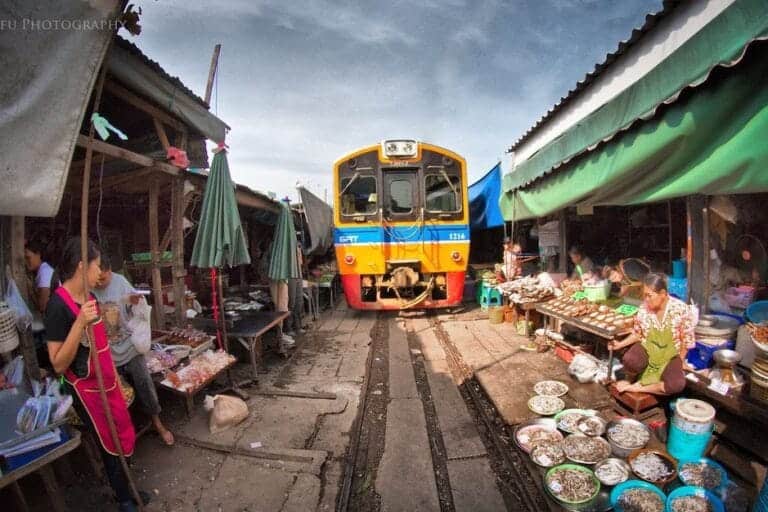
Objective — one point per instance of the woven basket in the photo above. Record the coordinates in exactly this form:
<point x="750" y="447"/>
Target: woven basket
<point x="9" y="336"/>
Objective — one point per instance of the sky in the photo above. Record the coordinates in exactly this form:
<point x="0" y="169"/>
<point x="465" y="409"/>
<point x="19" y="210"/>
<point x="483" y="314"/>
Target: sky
<point x="303" y="82"/>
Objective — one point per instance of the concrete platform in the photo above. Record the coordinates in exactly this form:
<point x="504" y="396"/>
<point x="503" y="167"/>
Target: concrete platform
<point x="508" y="374"/>
<point x="473" y="485"/>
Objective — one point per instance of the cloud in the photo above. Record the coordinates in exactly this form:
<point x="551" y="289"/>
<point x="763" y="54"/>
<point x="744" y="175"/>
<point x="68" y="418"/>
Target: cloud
<point x="303" y="82"/>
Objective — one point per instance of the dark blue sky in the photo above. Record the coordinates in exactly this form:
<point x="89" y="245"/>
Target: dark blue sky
<point x="303" y="82"/>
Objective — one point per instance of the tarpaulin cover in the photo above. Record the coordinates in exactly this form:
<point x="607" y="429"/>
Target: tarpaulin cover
<point x="220" y="240"/>
<point x="484" y="210"/>
<point x="133" y="72"/>
<point x="283" y="262"/>
<point x="712" y="141"/>
<point x="721" y="41"/>
<point x="319" y="218"/>
<point x="45" y="85"/>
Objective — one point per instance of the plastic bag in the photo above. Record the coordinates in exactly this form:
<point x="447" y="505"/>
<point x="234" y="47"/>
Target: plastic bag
<point x="16" y="302"/>
<point x="226" y="411"/>
<point x="141" y="331"/>
<point x="583" y="368"/>
<point x="14" y="372"/>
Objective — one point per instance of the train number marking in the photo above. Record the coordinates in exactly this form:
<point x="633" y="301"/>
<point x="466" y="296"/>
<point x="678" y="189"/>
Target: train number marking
<point x="457" y="236"/>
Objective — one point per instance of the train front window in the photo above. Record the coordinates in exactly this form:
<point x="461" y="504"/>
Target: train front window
<point x="401" y="194"/>
<point x="442" y="193"/>
<point x="358" y="195"/>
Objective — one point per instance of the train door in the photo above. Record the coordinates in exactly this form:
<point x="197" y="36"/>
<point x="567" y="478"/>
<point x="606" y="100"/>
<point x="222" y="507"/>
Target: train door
<point x="401" y="204"/>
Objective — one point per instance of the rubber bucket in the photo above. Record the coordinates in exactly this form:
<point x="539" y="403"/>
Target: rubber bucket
<point x="679" y="270"/>
<point x="690" y="429"/>
<point x="496" y="315"/>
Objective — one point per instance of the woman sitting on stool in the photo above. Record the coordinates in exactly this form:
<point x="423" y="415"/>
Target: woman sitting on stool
<point x="663" y="334"/>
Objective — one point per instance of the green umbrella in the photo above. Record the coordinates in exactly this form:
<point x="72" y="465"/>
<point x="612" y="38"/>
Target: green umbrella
<point x="283" y="263"/>
<point x="220" y="240"/>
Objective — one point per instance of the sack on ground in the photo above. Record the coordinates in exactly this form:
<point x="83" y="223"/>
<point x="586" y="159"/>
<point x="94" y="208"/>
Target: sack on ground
<point x="141" y="330"/>
<point x="226" y="411"/>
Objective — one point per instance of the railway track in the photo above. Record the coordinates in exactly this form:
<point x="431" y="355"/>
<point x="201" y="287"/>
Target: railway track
<point x="520" y="490"/>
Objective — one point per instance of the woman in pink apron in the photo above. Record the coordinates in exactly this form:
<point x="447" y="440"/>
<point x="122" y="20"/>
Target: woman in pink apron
<point x="68" y="314"/>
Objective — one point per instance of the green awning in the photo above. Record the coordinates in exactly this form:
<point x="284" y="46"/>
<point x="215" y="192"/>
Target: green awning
<point x="220" y="240"/>
<point x="283" y="263"/>
<point x="711" y="141"/>
<point x="720" y="42"/>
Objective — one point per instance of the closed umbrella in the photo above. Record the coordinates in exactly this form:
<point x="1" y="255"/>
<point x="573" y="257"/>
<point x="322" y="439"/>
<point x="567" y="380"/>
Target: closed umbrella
<point x="283" y="263"/>
<point x="220" y="240"/>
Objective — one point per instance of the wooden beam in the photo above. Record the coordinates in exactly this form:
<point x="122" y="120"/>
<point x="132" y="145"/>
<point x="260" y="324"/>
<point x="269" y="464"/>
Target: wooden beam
<point x="125" y="154"/>
<point x="157" y="284"/>
<point x="143" y="105"/>
<point x="160" y="129"/>
<point x="563" y="223"/>
<point x="212" y="73"/>
<point x="177" y="231"/>
<point x="19" y="271"/>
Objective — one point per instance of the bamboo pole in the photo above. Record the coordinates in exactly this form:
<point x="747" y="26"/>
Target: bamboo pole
<point x="84" y="259"/>
<point x="212" y="73"/>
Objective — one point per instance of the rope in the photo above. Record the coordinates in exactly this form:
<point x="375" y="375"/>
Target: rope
<point x="101" y="198"/>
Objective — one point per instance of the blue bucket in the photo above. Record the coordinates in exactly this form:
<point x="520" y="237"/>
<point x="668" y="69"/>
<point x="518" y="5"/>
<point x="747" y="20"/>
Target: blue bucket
<point x="679" y="269"/>
<point x="688" y="436"/>
<point x="689" y="490"/>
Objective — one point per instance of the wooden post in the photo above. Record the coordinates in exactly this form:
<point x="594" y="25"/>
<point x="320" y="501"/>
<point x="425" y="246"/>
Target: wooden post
<point x="19" y="271"/>
<point x="696" y="270"/>
<point x="177" y="247"/>
<point x="212" y="74"/>
<point x="707" y="259"/>
<point x="563" y="215"/>
<point x="154" y="242"/>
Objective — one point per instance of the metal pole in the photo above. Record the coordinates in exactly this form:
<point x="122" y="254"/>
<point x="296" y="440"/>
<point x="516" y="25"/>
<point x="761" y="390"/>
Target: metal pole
<point x="84" y="258"/>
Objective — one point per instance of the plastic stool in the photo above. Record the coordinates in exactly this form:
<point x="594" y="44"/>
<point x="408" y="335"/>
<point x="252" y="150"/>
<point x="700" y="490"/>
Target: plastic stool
<point x="489" y="296"/>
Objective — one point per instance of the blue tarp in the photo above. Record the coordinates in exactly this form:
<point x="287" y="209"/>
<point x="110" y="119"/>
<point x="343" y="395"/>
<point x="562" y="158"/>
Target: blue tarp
<point x="484" y="211"/>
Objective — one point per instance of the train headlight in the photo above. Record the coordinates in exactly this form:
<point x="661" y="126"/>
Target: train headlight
<point x="349" y="259"/>
<point x="399" y="148"/>
<point x="456" y="256"/>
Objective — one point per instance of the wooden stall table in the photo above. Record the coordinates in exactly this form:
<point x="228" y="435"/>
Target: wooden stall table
<point x="526" y="308"/>
<point x="249" y="330"/>
<point x="43" y="465"/>
<point x="189" y="394"/>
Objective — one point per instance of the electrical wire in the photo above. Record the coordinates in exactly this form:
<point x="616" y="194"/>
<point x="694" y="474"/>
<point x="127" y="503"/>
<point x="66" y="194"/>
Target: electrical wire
<point x="101" y="198"/>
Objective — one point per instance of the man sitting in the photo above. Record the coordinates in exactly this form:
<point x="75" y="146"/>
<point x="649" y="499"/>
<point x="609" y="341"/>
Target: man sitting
<point x="130" y="364"/>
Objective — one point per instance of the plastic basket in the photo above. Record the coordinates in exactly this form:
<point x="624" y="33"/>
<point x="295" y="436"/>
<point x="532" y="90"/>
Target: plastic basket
<point x="757" y="312"/>
<point x="597" y="293"/>
<point x="689" y="490"/>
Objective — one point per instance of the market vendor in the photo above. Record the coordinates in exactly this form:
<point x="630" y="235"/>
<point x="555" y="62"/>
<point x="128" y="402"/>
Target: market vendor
<point x="663" y="334"/>
<point x="583" y="266"/>
<point x="115" y="288"/>
<point x="69" y="318"/>
<point x="512" y="265"/>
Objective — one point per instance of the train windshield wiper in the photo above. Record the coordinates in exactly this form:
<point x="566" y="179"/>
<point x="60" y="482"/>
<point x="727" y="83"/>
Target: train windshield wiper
<point x="450" y="184"/>
<point x="354" y="178"/>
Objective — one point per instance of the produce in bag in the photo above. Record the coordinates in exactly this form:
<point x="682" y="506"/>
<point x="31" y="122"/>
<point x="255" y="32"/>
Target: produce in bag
<point x="226" y="411"/>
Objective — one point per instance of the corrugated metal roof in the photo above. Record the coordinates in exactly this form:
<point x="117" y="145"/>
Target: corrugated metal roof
<point x="650" y="21"/>
<point x="156" y="67"/>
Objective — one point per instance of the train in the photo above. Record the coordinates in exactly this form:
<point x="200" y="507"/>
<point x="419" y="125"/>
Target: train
<point x="401" y="226"/>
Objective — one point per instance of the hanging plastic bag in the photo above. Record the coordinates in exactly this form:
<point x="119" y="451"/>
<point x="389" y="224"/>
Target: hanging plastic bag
<point x="16" y="302"/>
<point x="14" y="372"/>
<point x="139" y="325"/>
<point x="226" y="411"/>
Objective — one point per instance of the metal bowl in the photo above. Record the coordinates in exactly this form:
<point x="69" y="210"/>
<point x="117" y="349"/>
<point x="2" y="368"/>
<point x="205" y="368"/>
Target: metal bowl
<point x="727" y="357"/>
<point x="624" y="451"/>
<point x="549" y="423"/>
<point x="613" y="461"/>
<point x="600" y="430"/>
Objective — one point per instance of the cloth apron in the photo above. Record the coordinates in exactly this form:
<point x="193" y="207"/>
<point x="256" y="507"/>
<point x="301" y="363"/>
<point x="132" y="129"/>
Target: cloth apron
<point x="87" y="389"/>
<point x="660" y="346"/>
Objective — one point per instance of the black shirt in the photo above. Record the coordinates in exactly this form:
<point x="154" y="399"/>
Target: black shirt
<point x="58" y="321"/>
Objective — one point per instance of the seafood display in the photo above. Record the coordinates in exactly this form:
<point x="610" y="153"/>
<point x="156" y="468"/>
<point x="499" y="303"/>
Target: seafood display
<point x="200" y="369"/>
<point x="550" y="388"/>
<point x="569" y="307"/>
<point x="612" y="471"/>
<point x="594" y="315"/>
<point x="691" y="504"/>
<point x="528" y="437"/>
<point x="572" y="484"/>
<point x="641" y="500"/>
<point x="652" y="467"/>
<point x="568" y="420"/>
<point x="187" y="336"/>
<point x="547" y="454"/>
<point x="545" y="405"/>
<point x="593" y="426"/>
<point x="526" y="289"/>
<point x="571" y="286"/>
<point x="759" y="332"/>
<point x="629" y="435"/>
<point x="701" y="474"/>
<point x="585" y="449"/>
<point x="159" y="360"/>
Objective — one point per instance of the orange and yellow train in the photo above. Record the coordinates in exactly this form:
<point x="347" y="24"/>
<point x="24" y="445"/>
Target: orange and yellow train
<point x="401" y="225"/>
